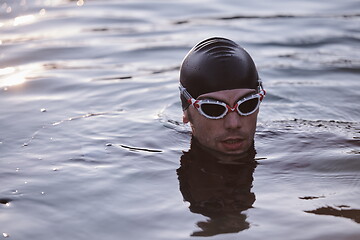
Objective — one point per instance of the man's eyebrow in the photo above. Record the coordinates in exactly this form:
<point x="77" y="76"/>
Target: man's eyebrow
<point x="211" y="98"/>
<point x="217" y="99"/>
<point x="246" y="95"/>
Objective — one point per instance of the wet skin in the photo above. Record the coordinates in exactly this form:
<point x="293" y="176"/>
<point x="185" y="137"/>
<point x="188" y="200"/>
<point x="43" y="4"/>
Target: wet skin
<point x="230" y="137"/>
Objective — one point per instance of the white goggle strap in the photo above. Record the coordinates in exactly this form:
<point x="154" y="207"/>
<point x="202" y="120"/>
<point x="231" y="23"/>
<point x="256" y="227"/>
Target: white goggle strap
<point x="186" y="94"/>
<point x="261" y="90"/>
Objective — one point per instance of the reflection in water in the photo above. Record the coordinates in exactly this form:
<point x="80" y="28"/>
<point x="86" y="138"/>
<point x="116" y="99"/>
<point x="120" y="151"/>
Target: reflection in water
<point x="9" y="76"/>
<point x="217" y="190"/>
<point x="353" y="214"/>
<point x="22" y="20"/>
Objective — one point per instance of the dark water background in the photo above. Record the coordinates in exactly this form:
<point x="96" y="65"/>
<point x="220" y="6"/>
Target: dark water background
<point x="90" y="120"/>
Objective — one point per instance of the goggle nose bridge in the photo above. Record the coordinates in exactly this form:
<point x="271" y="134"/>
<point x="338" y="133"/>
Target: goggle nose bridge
<point x="232" y="109"/>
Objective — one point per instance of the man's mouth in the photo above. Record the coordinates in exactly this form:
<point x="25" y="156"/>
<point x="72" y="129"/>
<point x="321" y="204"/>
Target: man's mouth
<point x="232" y="141"/>
<point x="232" y="144"/>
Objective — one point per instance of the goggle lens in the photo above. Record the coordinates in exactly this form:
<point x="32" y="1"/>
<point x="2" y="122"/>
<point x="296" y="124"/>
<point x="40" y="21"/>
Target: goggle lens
<point x="213" y="109"/>
<point x="248" y="106"/>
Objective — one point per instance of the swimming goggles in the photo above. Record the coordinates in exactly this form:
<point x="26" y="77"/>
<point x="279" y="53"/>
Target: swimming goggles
<point x="214" y="109"/>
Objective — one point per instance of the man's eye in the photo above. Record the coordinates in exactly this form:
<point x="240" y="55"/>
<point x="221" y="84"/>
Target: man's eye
<point x="213" y="110"/>
<point x="249" y="105"/>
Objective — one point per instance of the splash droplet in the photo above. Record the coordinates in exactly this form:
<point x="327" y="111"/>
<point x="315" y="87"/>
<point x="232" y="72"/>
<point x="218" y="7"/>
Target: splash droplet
<point x="42" y="12"/>
<point x="80" y="3"/>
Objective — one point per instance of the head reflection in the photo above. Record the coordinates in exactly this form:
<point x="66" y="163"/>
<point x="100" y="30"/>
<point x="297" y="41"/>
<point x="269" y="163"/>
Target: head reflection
<point x="219" y="191"/>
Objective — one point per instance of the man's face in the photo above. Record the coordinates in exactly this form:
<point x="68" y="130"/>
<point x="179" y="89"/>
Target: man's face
<point x="227" y="138"/>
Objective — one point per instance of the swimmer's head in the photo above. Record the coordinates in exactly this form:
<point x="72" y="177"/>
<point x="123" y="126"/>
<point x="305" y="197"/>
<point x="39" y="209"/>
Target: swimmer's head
<point x="217" y="64"/>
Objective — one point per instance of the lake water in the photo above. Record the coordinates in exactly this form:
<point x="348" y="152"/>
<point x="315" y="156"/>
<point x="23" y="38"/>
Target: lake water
<point x="91" y="132"/>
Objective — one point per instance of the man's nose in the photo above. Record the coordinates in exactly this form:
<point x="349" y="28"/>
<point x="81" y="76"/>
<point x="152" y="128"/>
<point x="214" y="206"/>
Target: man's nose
<point x="232" y="120"/>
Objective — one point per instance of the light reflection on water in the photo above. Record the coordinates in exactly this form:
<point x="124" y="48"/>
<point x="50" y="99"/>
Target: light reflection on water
<point x="91" y="130"/>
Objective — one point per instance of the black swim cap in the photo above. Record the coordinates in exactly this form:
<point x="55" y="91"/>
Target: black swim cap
<point x="217" y="64"/>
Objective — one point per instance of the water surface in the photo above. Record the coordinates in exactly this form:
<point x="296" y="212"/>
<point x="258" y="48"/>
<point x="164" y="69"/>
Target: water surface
<point x="91" y="134"/>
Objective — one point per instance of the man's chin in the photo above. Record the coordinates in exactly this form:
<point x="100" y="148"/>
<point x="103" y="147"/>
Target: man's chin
<point x="226" y="155"/>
